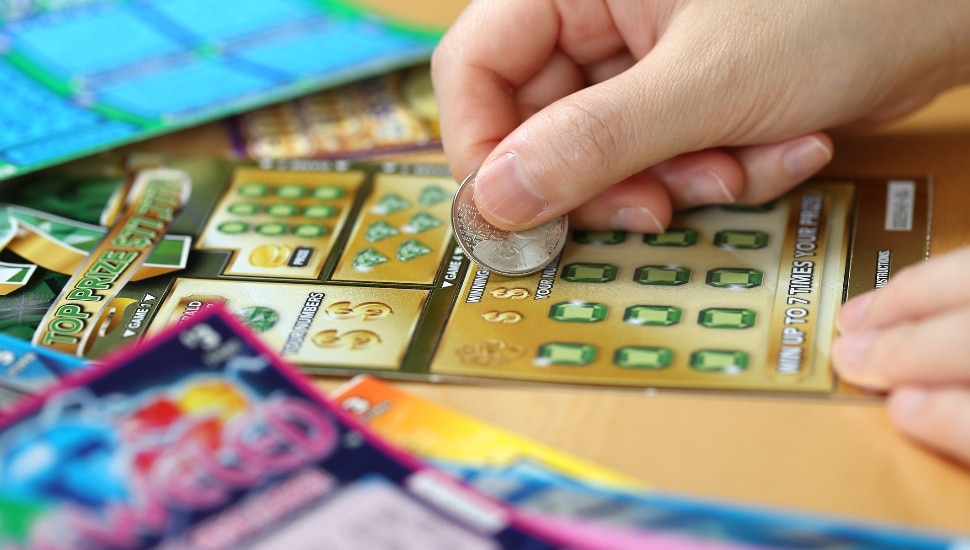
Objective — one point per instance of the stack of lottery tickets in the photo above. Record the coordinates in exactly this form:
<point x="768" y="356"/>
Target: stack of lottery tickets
<point x="200" y="438"/>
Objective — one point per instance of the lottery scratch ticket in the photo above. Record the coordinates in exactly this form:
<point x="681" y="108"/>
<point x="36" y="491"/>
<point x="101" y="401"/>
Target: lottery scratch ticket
<point x="348" y="267"/>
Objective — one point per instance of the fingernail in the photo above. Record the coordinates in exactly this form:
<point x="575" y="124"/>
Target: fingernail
<point x="502" y="191"/>
<point x="636" y="219"/>
<point x="848" y="355"/>
<point x="708" y="188"/>
<point x="853" y="312"/>
<point x="807" y="157"/>
<point x="905" y="402"/>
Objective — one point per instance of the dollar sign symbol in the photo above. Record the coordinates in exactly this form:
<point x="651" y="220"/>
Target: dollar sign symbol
<point x="503" y="293"/>
<point x="366" y="310"/>
<point x="355" y="339"/>
<point x="507" y="317"/>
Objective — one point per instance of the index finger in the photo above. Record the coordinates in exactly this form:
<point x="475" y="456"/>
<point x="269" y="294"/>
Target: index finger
<point x="495" y="49"/>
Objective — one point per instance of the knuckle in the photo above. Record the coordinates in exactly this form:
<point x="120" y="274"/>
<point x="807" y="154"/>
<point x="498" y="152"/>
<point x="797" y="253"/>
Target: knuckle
<point x="585" y="141"/>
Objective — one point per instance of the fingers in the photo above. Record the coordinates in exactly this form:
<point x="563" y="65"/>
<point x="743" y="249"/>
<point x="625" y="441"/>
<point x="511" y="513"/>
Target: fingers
<point x="772" y="169"/>
<point x="586" y="101"/>
<point x="938" y="417"/>
<point x="913" y="330"/>
<point x="910" y="338"/>
<point x="914" y="293"/>
<point x="501" y="58"/>
<point x="933" y="350"/>
<point x="572" y="150"/>
<point x="553" y="102"/>
<point x="557" y="78"/>
<point x="640" y="203"/>
<point x="751" y="175"/>
<point x="711" y="176"/>
<point x="748" y="175"/>
<point x="475" y="78"/>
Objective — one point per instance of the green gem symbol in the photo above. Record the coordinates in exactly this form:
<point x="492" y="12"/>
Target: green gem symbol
<point x="741" y="240"/>
<point x="272" y="229"/>
<point x="253" y="190"/>
<point x="290" y="191"/>
<point x="421" y="221"/>
<point x="599" y="237"/>
<point x="390" y="204"/>
<point x="638" y="357"/>
<point x="716" y="360"/>
<point x="656" y="316"/>
<point x="578" y="312"/>
<point x="379" y="230"/>
<point x="281" y="210"/>
<point x="661" y="275"/>
<point x="259" y="318"/>
<point x="328" y="192"/>
<point x="233" y="228"/>
<point x="411" y="249"/>
<point x="319" y="211"/>
<point x="675" y="236"/>
<point x="310" y="230"/>
<point x="432" y="195"/>
<point x="730" y="277"/>
<point x="722" y="317"/>
<point x="367" y="259"/>
<point x="589" y="273"/>
<point x="568" y="354"/>
<point x="243" y="208"/>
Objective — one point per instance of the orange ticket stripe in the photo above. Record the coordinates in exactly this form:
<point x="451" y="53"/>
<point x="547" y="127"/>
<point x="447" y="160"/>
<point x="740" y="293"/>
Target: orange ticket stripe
<point x="156" y="198"/>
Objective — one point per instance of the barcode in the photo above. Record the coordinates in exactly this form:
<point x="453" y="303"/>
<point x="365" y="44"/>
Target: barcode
<point x="900" y="201"/>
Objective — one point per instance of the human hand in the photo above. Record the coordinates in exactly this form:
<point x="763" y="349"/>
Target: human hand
<point x="911" y="338"/>
<point x="622" y="111"/>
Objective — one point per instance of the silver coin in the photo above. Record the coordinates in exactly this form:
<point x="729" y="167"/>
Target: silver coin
<point x="514" y="253"/>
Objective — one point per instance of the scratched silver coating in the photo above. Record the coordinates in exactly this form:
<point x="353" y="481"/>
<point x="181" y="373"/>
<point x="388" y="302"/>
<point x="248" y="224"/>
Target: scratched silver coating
<point x="513" y="253"/>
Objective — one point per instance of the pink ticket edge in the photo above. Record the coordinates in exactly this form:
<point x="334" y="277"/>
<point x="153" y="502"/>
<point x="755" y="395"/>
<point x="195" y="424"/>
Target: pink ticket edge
<point x="585" y="534"/>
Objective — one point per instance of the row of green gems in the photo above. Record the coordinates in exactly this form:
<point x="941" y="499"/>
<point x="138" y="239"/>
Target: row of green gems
<point x="663" y="275"/>
<point x="642" y="357"/>
<point x="732" y="239"/>
<point x="652" y="315"/>
<point x="255" y="190"/>
<point x="428" y="197"/>
<point x="283" y="210"/>
<point x="274" y="229"/>
<point x="418" y="223"/>
<point x="369" y="258"/>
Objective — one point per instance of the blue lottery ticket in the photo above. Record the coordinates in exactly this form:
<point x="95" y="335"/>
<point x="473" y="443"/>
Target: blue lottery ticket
<point x="27" y="369"/>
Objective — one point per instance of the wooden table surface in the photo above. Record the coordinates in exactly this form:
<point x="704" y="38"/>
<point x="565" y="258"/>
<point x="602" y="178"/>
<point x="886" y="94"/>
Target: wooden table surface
<point x="829" y="455"/>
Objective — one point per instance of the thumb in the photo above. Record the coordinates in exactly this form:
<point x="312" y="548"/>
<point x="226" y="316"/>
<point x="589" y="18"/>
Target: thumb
<point x="577" y="147"/>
